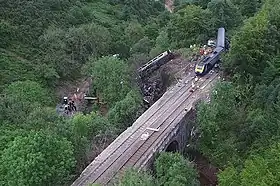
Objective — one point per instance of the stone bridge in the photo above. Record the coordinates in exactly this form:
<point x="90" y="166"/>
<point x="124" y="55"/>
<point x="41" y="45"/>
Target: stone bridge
<point x="164" y="126"/>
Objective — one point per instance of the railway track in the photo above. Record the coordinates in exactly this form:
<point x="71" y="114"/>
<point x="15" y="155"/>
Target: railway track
<point x="182" y="113"/>
<point x="130" y="132"/>
<point x="144" y="146"/>
<point x="128" y="149"/>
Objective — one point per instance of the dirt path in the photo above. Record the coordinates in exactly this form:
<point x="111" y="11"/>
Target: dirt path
<point x="75" y="91"/>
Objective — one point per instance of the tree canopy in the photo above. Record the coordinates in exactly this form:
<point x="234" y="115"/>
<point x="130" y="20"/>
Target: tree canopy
<point x="135" y="178"/>
<point x="190" y="25"/>
<point x="44" y="44"/>
<point x="173" y="169"/>
<point x="242" y="118"/>
<point x="40" y="158"/>
<point x="111" y="78"/>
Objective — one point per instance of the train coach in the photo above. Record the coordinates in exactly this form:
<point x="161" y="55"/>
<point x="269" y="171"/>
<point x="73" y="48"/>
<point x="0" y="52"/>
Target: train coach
<point x="155" y="63"/>
<point x="209" y="61"/>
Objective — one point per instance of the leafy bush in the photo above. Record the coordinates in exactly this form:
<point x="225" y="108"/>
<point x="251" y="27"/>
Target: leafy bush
<point x="125" y="111"/>
<point x="134" y="178"/>
<point x="190" y="25"/>
<point x="111" y="78"/>
<point x="173" y="169"/>
<point x="40" y="158"/>
<point x="21" y="98"/>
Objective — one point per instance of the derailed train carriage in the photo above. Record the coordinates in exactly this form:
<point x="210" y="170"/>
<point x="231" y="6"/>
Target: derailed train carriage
<point x="152" y="85"/>
<point x="209" y="61"/>
<point x="155" y="63"/>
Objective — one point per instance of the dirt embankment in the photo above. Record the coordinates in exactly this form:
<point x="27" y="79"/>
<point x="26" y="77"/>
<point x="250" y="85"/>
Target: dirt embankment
<point x="207" y="172"/>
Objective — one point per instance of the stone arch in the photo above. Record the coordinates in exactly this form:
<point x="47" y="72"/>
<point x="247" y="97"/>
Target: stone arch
<point x="173" y="146"/>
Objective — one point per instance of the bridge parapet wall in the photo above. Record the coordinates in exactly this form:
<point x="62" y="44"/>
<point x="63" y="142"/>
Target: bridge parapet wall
<point x="179" y="133"/>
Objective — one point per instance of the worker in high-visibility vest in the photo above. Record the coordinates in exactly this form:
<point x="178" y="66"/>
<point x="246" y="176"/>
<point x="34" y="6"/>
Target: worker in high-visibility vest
<point x="201" y="51"/>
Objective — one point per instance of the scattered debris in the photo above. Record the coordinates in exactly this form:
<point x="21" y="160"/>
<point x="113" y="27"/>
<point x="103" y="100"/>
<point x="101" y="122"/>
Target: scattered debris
<point x="193" y="85"/>
<point x="145" y="136"/>
<point x="153" y="129"/>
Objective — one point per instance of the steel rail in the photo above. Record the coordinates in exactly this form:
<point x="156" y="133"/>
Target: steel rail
<point x="182" y="98"/>
<point x="137" y="153"/>
<point x="122" y="139"/>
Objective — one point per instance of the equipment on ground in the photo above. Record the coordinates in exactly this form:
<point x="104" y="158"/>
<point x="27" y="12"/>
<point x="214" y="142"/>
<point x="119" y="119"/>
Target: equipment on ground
<point x="65" y="100"/>
<point x="208" y="62"/>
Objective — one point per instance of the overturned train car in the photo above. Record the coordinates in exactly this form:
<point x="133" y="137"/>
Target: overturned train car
<point x="155" y="63"/>
<point x="209" y="61"/>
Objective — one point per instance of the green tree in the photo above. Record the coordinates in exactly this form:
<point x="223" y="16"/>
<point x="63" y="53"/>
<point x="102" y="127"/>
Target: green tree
<point x="260" y="168"/>
<point x="229" y="176"/>
<point x="152" y="28"/>
<point x="224" y="14"/>
<point x="120" y="43"/>
<point x="7" y="33"/>
<point x="173" y="169"/>
<point x="8" y="134"/>
<point x="260" y="39"/>
<point x="141" y="11"/>
<point x="125" y="111"/>
<point x="99" y="12"/>
<point x="144" y="45"/>
<point x="22" y="97"/>
<point x="134" y="178"/>
<point x="202" y="3"/>
<point x="248" y="7"/>
<point x="133" y="33"/>
<point x="32" y="17"/>
<point x="263" y="120"/>
<point x="190" y="25"/>
<point x="248" y="63"/>
<point x="29" y="91"/>
<point x="219" y="123"/>
<point x="162" y="43"/>
<point x="41" y="158"/>
<point x="82" y="131"/>
<point x="111" y="78"/>
<point x="14" y="68"/>
<point x="43" y="117"/>
<point x="67" y="51"/>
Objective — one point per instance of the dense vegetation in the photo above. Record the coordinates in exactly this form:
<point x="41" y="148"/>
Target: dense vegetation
<point x="240" y="126"/>
<point x="243" y="117"/>
<point x="171" y="169"/>
<point x="43" y="43"/>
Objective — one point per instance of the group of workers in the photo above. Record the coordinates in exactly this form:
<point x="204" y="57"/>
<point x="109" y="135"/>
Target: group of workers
<point x="204" y="50"/>
<point x="69" y="106"/>
<point x="207" y="49"/>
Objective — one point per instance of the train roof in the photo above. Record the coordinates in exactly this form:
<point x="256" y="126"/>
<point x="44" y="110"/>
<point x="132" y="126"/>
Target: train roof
<point x="221" y="38"/>
<point x="154" y="59"/>
<point x="218" y="50"/>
